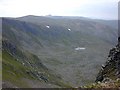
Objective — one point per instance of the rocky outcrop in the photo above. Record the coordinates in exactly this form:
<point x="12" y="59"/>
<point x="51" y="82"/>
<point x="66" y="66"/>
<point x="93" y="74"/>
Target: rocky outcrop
<point x="111" y="69"/>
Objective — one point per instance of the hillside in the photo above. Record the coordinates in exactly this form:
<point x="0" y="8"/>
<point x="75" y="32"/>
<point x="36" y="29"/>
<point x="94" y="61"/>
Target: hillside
<point x="21" y="67"/>
<point x="106" y="30"/>
<point x="70" y="49"/>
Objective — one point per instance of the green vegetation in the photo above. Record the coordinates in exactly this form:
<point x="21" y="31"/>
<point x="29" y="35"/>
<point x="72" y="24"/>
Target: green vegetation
<point x="13" y="71"/>
<point x="24" y="65"/>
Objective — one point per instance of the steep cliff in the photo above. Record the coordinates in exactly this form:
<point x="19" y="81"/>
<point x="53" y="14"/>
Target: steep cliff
<point x="109" y="74"/>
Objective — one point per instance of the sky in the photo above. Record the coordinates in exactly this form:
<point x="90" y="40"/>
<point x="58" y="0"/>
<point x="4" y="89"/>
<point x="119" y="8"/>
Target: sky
<point x="100" y="9"/>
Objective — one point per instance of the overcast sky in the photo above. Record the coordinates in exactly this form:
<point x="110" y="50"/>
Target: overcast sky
<point x="101" y="9"/>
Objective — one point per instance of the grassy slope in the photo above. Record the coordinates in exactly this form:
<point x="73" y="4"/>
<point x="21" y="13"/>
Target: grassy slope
<point x="14" y="71"/>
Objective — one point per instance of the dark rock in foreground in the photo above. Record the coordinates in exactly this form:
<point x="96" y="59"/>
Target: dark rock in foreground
<point x="111" y="69"/>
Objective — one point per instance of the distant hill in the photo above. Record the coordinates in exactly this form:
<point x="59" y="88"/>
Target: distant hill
<point x="102" y="28"/>
<point x="111" y="23"/>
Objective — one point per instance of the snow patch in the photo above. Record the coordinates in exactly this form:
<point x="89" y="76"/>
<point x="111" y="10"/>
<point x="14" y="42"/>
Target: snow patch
<point x="69" y="29"/>
<point x="47" y="26"/>
<point x="80" y="48"/>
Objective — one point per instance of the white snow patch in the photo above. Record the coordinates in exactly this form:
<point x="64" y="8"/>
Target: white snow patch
<point x="69" y="29"/>
<point x="47" y="26"/>
<point x="80" y="48"/>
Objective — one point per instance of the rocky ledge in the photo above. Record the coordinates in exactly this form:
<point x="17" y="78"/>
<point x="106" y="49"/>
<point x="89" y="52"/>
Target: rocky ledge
<point x="110" y="72"/>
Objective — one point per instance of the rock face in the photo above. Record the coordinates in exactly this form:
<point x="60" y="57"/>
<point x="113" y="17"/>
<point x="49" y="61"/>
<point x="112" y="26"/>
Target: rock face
<point x="111" y="69"/>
